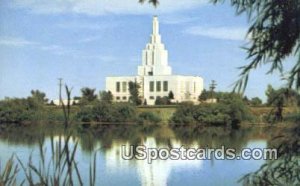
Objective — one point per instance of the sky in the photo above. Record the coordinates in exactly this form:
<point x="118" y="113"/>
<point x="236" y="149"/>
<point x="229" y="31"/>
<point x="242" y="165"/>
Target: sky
<point x="83" y="41"/>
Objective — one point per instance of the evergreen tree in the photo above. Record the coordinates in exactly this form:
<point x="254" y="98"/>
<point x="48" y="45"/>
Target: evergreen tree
<point x="106" y="96"/>
<point x="134" y="93"/>
<point x="171" y="95"/>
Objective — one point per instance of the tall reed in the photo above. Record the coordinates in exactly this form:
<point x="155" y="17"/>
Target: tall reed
<point x="9" y="174"/>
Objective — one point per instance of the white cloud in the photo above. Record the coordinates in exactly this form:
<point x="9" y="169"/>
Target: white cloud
<point x="89" y="39"/>
<point x="103" y="57"/>
<point x="51" y="48"/>
<point x="15" y="42"/>
<point x="103" y="7"/>
<point x="86" y="26"/>
<point x="106" y="58"/>
<point x="58" y="50"/>
<point x="177" y="19"/>
<point x="226" y="33"/>
<point x="98" y="27"/>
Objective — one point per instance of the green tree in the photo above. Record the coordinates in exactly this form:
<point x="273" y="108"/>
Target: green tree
<point x="102" y="112"/>
<point x="204" y="95"/>
<point x="256" y="101"/>
<point x="162" y="100"/>
<point x="18" y="110"/>
<point x="77" y="98"/>
<point x="134" y="93"/>
<point x="280" y="98"/>
<point x="229" y="110"/>
<point x="52" y="103"/>
<point x="184" y="114"/>
<point x="37" y="100"/>
<point x="274" y="35"/>
<point x="246" y="100"/>
<point x="171" y="95"/>
<point x="106" y="96"/>
<point x="289" y="97"/>
<point x="87" y="95"/>
<point x="270" y="92"/>
<point x="39" y="96"/>
<point x="237" y="109"/>
<point x="124" y="112"/>
<point x="15" y="110"/>
<point x="105" y="112"/>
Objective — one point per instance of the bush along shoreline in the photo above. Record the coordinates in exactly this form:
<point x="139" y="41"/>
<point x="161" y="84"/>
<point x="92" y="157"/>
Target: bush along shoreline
<point x="23" y="111"/>
<point x="229" y="111"/>
<point x="102" y="112"/>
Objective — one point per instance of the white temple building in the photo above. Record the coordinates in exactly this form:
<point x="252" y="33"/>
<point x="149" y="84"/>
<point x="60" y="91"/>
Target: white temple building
<point x="155" y="76"/>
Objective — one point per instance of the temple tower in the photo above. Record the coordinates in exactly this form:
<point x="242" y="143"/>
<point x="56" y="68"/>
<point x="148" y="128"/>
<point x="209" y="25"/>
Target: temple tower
<point x="154" y="56"/>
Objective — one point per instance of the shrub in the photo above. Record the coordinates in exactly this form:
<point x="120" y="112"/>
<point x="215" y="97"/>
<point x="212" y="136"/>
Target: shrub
<point x="184" y="114"/>
<point x="238" y="110"/>
<point x="148" y="118"/>
<point x="230" y="110"/>
<point x="293" y="117"/>
<point x="105" y="112"/>
<point x="123" y="112"/>
<point x="106" y="96"/>
<point x="214" y="114"/>
<point x="19" y="110"/>
<point x="102" y="112"/>
<point x="162" y="101"/>
<point x="85" y="114"/>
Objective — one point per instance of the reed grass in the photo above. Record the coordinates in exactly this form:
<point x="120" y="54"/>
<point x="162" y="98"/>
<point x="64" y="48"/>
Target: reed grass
<point x="9" y="173"/>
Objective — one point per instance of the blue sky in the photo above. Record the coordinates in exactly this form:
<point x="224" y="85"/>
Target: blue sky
<point x="83" y="41"/>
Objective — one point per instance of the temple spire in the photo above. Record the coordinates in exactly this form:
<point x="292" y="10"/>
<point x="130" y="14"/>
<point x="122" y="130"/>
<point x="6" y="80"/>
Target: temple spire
<point x="155" y="26"/>
<point x="154" y="56"/>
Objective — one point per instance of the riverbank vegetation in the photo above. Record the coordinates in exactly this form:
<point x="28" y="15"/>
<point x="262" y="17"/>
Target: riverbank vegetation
<point x="230" y="109"/>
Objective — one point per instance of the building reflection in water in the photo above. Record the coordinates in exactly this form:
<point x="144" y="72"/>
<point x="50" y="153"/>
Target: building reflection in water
<point x="153" y="174"/>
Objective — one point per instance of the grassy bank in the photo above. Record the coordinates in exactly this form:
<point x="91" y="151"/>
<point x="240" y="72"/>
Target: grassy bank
<point x="164" y="112"/>
<point x="16" y="112"/>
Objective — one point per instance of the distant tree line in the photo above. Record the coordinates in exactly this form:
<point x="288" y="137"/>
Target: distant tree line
<point x="102" y="108"/>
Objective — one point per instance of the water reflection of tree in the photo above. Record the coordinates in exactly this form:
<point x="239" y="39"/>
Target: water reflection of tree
<point x="92" y="137"/>
<point x="31" y="134"/>
<point x="107" y="134"/>
<point x="216" y="137"/>
<point x="20" y="135"/>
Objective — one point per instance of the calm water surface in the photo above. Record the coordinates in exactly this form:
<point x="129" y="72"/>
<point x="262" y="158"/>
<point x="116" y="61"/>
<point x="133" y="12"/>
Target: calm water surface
<point x="113" y="170"/>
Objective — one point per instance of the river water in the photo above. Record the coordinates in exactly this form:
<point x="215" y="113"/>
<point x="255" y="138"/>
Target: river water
<point x="112" y="169"/>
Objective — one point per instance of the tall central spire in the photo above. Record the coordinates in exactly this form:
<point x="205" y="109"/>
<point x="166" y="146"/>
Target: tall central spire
<point x="154" y="56"/>
<point x="155" y="26"/>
